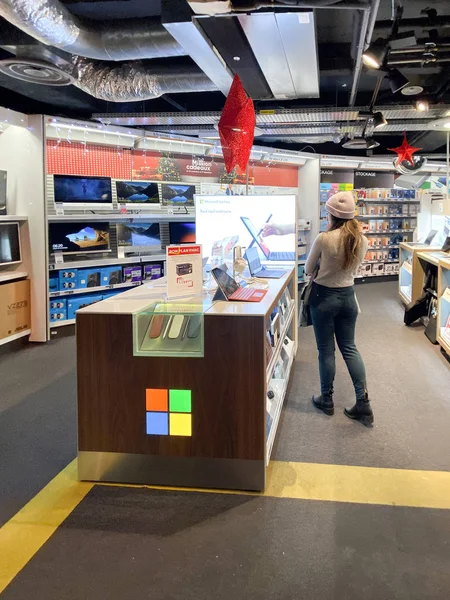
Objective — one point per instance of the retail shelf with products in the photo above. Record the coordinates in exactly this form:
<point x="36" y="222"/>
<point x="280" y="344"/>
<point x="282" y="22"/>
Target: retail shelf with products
<point x="411" y="270"/>
<point x="122" y="217"/>
<point x="12" y="275"/>
<point x="381" y="232"/>
<point x="277" y="350"/>
<point x="384" y="217"/>
<point x="99" y="262"/>
<point x="388" y="201"/>
<point x="92" y="290"/>
<point x="198" y="419"/>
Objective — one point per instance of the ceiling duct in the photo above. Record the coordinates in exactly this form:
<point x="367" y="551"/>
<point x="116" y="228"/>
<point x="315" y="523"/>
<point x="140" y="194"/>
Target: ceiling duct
<point x="50" y="22"/>
<point x="35" y="71"/>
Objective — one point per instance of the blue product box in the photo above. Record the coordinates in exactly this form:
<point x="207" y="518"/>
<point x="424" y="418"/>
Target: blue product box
<point x="132" y="274"/>
<point x="57" y="304"/>
<point x="111" y="275"/>
<point x="67" y="279"/>
<point x="153" y="271"/>
<point x="89" y="278"/>
<point x="301" y="272"/>
<point x="53" y="282"/>
<point x="58" y="315"/>
<point x="77" y="302"/>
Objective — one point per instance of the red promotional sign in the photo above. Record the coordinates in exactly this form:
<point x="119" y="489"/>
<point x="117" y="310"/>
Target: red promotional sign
<point x="183" y="250"/>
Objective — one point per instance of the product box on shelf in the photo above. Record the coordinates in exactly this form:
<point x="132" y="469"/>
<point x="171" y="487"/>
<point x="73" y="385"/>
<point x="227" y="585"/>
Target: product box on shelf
<point x="53" y="282"/>
<point x="111" y="275"/>
<point x="14" y="307"/>
<point x="378" y="269"/>
<point x="132" y="274"/>
<point x="153" y="271"/>
<point x="68" y="279"/>
<point x="89" y="278"/>
<point x="389" y="268"/>
<point x="57" y="304"/>
<point x="76" y="302"/>
<point x="58" y="315"/>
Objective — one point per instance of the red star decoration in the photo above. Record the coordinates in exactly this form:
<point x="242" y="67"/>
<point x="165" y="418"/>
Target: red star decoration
<point x="237" y="127"/>
<point x="405" y="152"/>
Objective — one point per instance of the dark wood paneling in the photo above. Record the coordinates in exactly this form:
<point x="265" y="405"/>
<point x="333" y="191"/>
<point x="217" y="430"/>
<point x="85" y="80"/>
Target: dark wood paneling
<point x="228" y="389"/>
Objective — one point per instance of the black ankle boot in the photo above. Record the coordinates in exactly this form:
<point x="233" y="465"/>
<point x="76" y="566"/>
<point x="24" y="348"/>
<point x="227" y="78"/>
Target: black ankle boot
<point x="361" y="411"/>
<point x="325" y="403"/>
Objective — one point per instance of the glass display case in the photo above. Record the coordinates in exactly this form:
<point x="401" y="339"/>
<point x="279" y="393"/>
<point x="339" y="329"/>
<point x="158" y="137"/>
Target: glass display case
<point x="169" y="329"/>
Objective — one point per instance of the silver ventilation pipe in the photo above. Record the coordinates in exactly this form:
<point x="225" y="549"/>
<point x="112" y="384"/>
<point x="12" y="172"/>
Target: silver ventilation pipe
<point x="51" y="23"/>
<point x="134" y="81"/>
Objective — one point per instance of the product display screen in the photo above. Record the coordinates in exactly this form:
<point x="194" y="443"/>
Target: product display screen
<point x="266" y="223"/>
<point x="138" y="234"/>
<point x="137" y="192"/>
<point x="9" y="243"/>
<point x="78" y="237"/>
<point x="226" y="283"/>
<point x="77" y="189"/>
<point x="182" y="233"/>
<point x="177" y="193"/>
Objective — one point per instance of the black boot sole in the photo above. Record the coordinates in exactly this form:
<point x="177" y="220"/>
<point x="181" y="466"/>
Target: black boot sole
<point x="366" y="420"/>
<point x="326" y="410"/>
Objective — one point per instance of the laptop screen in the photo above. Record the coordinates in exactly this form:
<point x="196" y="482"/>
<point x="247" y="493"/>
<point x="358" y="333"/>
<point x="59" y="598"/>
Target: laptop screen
<point x="226" y="283"/>
<point x="254" y="264"/>
<point x="430" y="237"/>
<point x="256" y="236"/>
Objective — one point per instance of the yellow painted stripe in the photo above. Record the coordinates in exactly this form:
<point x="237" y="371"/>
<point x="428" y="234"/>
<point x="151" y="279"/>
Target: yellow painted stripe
<point x="23" y="535"/>
<point x="363" y="485"/>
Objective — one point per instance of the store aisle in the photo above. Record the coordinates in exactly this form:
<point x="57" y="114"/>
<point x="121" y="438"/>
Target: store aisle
<point x="408" y="382"/>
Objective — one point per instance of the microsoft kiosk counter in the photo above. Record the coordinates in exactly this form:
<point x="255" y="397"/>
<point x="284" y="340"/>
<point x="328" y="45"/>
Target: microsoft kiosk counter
<point x="186" y="392"/>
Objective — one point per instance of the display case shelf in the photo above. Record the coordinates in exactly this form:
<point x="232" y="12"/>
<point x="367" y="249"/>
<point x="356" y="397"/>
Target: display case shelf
<point x="388" y="231"/>
<point x="16" y="336"/>
<point x="93" y="289"/>
<point x="62" y="323"/>
<point x="12" y="275"/>
<point x="383" y="217"/>
<point x="277" y="349"/>
<point x="387" y="201"/>
<point x="122" y="217"/>
<point x="96" y="262"/>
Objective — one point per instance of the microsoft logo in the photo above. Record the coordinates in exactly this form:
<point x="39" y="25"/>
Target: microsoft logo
<point x="169" y="412"/>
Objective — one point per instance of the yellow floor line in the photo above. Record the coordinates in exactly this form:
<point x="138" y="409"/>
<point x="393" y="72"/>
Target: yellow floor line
<point x="31" y="527"/>
<point x="23" y="535"/>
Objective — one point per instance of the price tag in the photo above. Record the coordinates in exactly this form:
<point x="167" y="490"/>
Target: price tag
<point x="59" y="208"/>
<point x="123" y="210"/>
<point x="59" y="258"/>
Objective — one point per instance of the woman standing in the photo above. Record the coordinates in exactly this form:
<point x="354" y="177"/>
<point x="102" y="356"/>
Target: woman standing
<point x="338" y="253"/>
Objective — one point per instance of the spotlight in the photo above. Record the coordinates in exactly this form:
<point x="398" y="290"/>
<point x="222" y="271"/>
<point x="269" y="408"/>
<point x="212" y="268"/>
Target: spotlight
<point x="379" y="120"/>
<point x="422" y="105"/>
<point x="397" y="80"/>
<point x="375" y="54"/>
<point x="371" y="143"/>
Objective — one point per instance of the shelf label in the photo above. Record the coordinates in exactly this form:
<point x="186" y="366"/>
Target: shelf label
<point x="59" y="258"/>
<point x="59" y="208"/>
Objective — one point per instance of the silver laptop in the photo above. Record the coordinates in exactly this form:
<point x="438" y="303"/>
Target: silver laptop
<point x="257" y="270"/>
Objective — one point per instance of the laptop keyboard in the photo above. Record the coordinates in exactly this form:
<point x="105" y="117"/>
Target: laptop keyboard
<point x="282" y="256"/>
<point x="243" y="293"/>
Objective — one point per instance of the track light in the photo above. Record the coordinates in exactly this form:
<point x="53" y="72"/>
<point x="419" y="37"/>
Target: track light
<point x="375" y="54"/>
<point x="397" y="80"/>
<point x="379" y="120"/>
<point x="422" y="105"/>
<point x="371" y="143"/>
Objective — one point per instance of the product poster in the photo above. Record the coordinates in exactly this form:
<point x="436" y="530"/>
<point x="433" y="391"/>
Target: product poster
<point x="264" y="222"/>
<point x="184" y="270"/>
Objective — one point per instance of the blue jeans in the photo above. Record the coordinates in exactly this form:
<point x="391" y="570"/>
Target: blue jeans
<point x="334" y="312"/>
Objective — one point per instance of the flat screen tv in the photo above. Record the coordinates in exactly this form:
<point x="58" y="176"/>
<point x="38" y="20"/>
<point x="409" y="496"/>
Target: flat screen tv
<point x="182" y="233"/>
<point x="137" y="192"/>
<point x="140" y="235"/>
<point x="3" y="193"/>
<point x="80" y="191"/>
<point x="178" y="194"/>
<point x="9" y="244"/>
<point x="76" y="238"/>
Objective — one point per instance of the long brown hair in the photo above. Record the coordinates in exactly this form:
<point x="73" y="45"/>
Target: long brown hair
<point x="351" y="239"/>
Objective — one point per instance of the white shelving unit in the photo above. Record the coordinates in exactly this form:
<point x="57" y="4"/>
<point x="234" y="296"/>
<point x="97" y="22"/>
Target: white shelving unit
<point x="104" y="262"/>
<point x="12" y="276"/>
<point x="16" y="336"/>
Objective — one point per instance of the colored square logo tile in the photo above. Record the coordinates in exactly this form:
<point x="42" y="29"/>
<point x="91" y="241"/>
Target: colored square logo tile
<point x="157" y="423"/>
<point x="157" y="400"/>
<point x="180" y="424"/>
<point x="180" y="401"/>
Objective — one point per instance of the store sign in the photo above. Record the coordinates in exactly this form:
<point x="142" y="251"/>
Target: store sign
<point x="184" y="270"/>
<point x="336" y="176"/>
<point x="373" y="179"/>
<point x="168" y="412"/>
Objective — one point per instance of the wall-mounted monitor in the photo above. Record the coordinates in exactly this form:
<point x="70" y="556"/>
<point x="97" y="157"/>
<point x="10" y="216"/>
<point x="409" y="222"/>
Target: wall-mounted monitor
<point x="139" y="235"/>
<point x="137" y="192"/>
<point x="178" y="194"/>
<point x="10" y="253"/>
<point x="75" y="191"/>
<point x="76" y="238"/>
<point x="3" y="210"/>
<point x="182" y="233"/>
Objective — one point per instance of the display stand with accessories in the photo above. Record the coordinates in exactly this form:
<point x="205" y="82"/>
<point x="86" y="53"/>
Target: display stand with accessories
<point x="193" y="391"/>
<point x="443" y="293"/>
<point x="410" y="284"/>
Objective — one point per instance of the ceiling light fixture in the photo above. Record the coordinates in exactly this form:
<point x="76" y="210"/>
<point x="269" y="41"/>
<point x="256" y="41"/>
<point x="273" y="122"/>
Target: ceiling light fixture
<point x="422" y="105"/>
<point x="375" y="54"/>
<point x="397" y="80"/>
<point x="412" y="90"/>
<point x="379" y="120"/>
<point x="440" y="124"/>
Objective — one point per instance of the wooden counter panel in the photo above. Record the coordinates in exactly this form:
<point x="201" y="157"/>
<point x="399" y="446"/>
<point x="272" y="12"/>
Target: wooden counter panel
<point x="228" y="404"/>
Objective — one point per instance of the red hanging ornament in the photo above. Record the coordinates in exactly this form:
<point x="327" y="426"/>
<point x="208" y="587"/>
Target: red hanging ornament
<point x="237" y="127"/>
<point x="405" y="152"/>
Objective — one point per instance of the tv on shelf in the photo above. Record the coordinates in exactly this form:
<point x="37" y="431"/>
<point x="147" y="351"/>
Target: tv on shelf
<point x="10" y="252"/>
<point x="178" y="194"/>
<point x="76" y="238"/>
<point x="137" y="192"/>
<point x="141" y="235"/>
<point x="80" y="191"/>
<point x="182" y="233"/>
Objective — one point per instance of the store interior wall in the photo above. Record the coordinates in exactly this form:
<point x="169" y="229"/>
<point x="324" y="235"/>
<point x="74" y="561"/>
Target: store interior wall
<point x="309" y="194"/>
<point x="22" y="157"/>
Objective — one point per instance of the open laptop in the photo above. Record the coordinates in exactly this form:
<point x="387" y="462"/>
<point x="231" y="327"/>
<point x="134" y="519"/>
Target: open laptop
<point x="431" y="235"/>
<point x="257" y="270"/>
<point x="280" y="256"/>
<point x="231" y="290"/>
